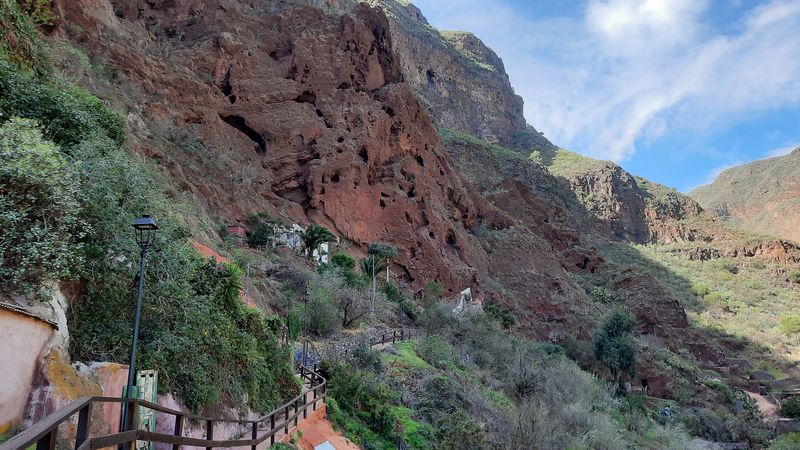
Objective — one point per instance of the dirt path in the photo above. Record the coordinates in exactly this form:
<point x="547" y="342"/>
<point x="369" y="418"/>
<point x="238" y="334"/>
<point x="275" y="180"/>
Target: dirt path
<point x="768" y="409"/>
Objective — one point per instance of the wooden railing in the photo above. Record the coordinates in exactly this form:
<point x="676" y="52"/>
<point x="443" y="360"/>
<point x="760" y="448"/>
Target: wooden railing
<point x="44" y="432"/>
<point x="342" y="349"/>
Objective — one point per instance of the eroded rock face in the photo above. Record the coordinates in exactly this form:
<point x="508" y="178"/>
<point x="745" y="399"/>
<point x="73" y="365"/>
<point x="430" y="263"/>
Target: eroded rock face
<point x="306" y="114"/>
<point x="461" y="81"/>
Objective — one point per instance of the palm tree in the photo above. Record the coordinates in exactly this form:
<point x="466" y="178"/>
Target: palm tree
<point x="313" y="237"/>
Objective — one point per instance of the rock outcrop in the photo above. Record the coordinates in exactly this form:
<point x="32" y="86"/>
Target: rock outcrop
<point x="305" y="113"/>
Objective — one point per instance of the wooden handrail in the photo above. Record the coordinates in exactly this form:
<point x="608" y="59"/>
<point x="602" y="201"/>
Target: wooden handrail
<point x="44" y="432"/>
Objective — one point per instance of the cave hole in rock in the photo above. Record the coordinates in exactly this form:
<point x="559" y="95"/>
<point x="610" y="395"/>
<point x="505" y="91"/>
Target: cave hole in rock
<point x="319" y="113"/>
<point x="411" y="192"/>
<point x="240" y="124"/>
<point x="343" y="86"/>
<point x="420" y="161"/>
<point x="364" y="154"/>
<point x="340" y="140"/>
<point x="388" y="110"/>
<point x="431" y="235"/>
<point x="451" y="238"/>
<point x="335" y="178"/>
<point x="306" y="97"/>
<point x="226" y="87"/>
<point x="382" y="203"/>
<point x="431" y="76"/>
<point x="339" y="150"/>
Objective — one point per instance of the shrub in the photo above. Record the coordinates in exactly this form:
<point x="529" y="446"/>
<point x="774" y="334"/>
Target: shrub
<point x="502" y="315"/>
<point x="794" y="276"/>
<point x="614" y="345"/>
<point x="459" y="431"/>
<point x="789" y="323"/>
<point x="722" y="388"/>
<point x="700" y="289"/>
<point x="727" y="265"/>
<point x="343" y="261"/>
<point x="40" y="224"/>
<point x="791" y="407"/>
<point x="603" y="294"/>
<point x="436" y="351"/>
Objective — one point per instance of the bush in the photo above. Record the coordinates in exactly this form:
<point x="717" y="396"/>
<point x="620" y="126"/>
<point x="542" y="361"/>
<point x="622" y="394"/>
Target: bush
<point x="789" y="323"/>
<point x="791" y="407"/>
<point x="343" y="261"/>
<point x="502" y="315"/>
<point x="603" y="294"/>
<point x="794" y="276"/>
<point x="700" y="289"/>
<point x="459" y="431"/>
<point x="436" y="352"/>
<point x="727" y="265"/>
<point x="40" y="220"/>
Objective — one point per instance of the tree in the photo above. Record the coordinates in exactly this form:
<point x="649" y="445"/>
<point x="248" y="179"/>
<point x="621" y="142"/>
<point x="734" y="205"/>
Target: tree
<point x="614" y="346"/>
<point x="382" y="251"/>
<point x="314" y="236"/>
<point x="264" y="229"/>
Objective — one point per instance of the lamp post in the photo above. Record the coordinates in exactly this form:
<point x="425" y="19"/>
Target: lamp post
<point x="145" y="231"/>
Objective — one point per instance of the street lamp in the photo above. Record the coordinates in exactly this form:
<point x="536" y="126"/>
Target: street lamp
<point x="145" y="231"/>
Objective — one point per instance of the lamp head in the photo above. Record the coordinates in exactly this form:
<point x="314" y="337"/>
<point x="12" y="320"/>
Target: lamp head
<point x="145" y="229"/>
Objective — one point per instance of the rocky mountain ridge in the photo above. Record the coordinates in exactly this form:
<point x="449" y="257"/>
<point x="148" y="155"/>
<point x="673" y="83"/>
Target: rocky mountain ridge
<point x="761" y="196"/>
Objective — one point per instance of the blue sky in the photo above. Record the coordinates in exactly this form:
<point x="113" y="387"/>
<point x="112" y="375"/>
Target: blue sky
<point x="673" y="90"/>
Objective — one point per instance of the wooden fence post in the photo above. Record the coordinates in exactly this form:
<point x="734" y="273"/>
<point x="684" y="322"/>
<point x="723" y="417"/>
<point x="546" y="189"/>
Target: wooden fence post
<point x="178" y="431"/>
<point x="286" y="421"/>
<point x="84" y="418"/>
<point x="209" y="432"/>
<point x="305" y="405"/>
<point x="48" y="441"/>
<point x="272" y="428"/>
<point x="254" y="435"/>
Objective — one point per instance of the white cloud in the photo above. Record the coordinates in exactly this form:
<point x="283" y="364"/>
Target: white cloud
<point x="626" y="71"/>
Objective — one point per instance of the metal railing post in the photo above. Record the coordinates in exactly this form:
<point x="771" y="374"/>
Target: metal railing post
<point x="254" y="435"/>
<point x="305" y="407"/>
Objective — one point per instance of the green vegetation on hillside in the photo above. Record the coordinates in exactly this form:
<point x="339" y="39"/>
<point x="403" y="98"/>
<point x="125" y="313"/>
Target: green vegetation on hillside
<point x="70" y="193"/>
<point x="471" y="382"/>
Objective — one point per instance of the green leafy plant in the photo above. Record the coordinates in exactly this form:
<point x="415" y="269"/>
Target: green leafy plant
<point x="343" y="261"/>
<point x="791" y="407"/>
<point x="502" y="315"/>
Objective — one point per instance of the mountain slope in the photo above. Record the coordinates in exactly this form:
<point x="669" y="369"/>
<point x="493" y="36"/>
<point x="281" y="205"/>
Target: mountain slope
<point x="761" y="196"/>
